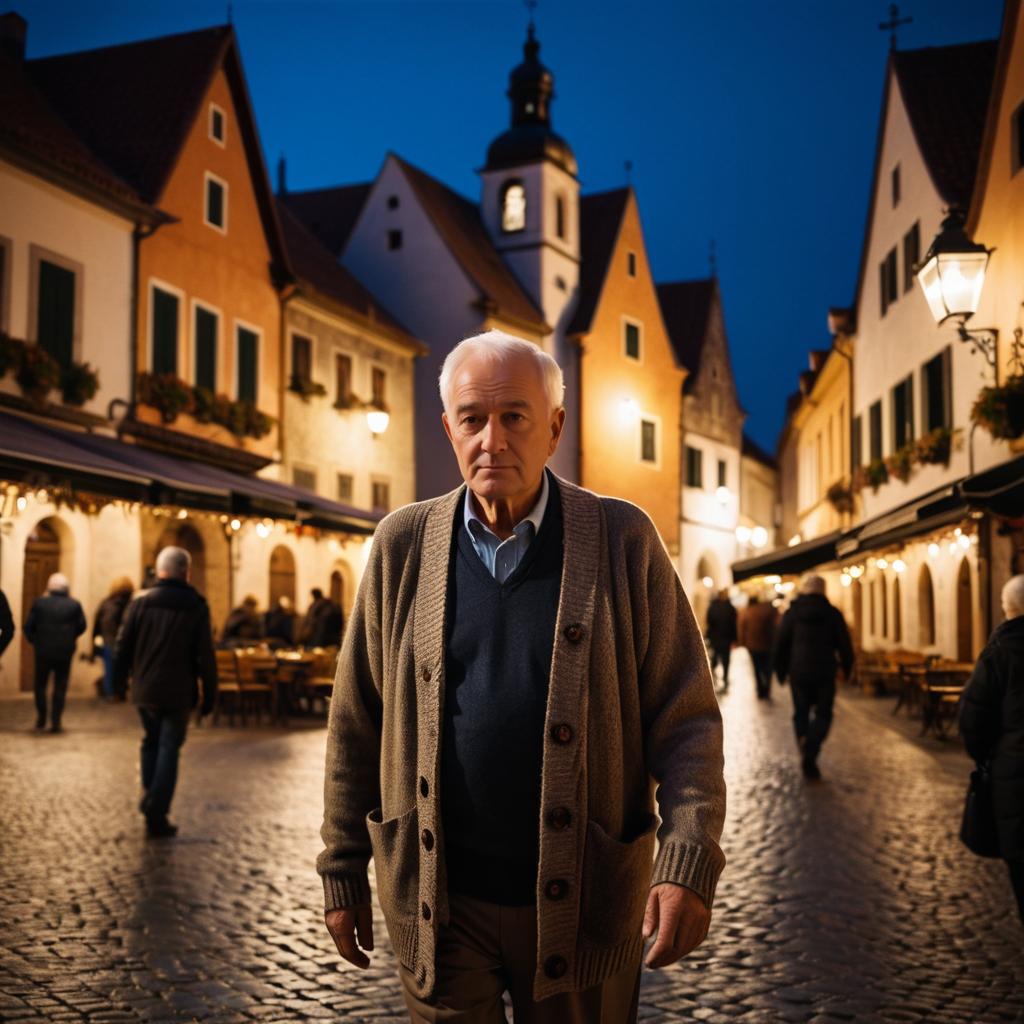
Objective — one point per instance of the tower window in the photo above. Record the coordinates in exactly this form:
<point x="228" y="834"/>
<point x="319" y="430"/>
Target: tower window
<point x="216" y="123"/>
<point x="631" y="264"/>
<point x="392" y="202"/>
<point x="394" y="240"/>
<point x="216" y="212"/>
<point x="513" y="207"/>
<point x="896" y="190"/>
<point x="560" y="216"/>
<point x="631" y="340"/>
<point x="560" y="283"/>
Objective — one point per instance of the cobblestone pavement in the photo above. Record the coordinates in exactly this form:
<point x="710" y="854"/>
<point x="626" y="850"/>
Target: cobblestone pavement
<point x="848" y="900"/>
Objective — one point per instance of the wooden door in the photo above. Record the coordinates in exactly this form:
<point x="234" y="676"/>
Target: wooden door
<point x="42" y="558"/>
<point x="964" y="618"/>
<point x="338" y="588"/>
<point x="282" y="575"/>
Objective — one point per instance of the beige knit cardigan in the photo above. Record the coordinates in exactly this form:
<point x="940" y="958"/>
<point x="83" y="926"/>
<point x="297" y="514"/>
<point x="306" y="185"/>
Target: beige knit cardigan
<point x="631" y="707"/>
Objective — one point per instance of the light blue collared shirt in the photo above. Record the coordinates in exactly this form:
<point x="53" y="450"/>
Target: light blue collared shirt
<point x="502" y="557"/>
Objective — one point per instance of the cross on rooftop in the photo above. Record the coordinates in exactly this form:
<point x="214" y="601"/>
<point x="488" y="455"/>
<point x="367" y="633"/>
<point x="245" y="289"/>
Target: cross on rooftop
<point x="892" y="25"/>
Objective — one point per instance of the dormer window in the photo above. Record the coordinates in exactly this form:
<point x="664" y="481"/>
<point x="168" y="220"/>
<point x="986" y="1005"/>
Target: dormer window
<point x="513" y="207"/>
<point x="216" y="123"/>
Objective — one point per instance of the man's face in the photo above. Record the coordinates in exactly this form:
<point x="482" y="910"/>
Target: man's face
<point x="501" y="426"/>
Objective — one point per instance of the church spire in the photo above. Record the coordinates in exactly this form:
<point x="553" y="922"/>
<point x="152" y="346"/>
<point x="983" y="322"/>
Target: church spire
<point x="531" y="86"/>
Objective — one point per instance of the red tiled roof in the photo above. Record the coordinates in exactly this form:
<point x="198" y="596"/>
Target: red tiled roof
<point x="946" y="91"/>
<point x="329" y="213"/>
<point x="686" y="310"/>
<point x="600" y="219"/>
<point x="458" y="222"/>
<point x="315" y="267"/>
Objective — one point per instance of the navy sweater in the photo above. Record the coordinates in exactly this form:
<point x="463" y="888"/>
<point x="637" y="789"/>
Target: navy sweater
<point x="500" y="639"/>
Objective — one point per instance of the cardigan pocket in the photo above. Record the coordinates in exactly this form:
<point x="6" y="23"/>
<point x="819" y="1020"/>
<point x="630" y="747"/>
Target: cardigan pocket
<point x="396" y="864"/>
<point x="616" y="881"/>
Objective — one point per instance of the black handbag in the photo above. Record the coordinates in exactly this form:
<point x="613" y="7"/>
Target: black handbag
<point x="978" y="830"/>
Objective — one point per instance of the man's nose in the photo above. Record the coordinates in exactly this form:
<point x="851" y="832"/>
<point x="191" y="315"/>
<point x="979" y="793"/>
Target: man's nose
<point x="493" y="437"/>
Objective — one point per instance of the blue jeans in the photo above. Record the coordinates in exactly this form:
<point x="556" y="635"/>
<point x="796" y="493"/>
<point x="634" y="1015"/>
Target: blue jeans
<point x="164" y="735"/>
<point x="108" y="670"/>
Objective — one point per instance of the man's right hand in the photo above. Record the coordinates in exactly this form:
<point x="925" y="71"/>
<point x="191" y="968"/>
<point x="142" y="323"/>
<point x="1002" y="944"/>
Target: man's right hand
<point x="345" y="926"/>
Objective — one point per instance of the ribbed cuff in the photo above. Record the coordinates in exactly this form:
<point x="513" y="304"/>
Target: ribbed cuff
<point x="351" y="889"/>
<point x="696" y="867"/>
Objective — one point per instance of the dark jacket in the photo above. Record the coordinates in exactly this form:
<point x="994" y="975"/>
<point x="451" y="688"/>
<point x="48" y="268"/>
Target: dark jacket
<point x="323" y="624"/>
<point x="109" y="616"/>
<point x="6" y="623"/>
<point x="992" y="725"/>
<point x="813" y="639"/>
<point x="242" y="627"/>
<point x="279" y="625"/>
<point x="721" y="631"/>
<point x="757" y="627"/>
<point x="54" y="625"/>
<point x="166" y="645"/>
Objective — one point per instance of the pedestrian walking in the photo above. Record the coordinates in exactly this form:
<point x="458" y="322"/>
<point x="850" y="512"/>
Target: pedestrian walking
<point x="721" y="633"/>
<point x="757" y="633"/>
<point x="105" y="626"/>
<point x="992" y="725"/>
<point x="166" y="646"/>
<point x="813" y="642"/>
<point x="55" y="622"/>
<point x="279" y="624"/>
<point x="244" y="626"/>
<point x="6" y="623"/>
<point x="520" y="668"/>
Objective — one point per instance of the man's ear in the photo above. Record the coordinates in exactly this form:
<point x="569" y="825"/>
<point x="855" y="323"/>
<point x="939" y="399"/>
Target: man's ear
<point x="447" y="427"/>
<point x="557" y="424"/>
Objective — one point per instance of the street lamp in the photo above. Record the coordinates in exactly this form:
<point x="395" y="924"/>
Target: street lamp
<point x="377" y="420"/>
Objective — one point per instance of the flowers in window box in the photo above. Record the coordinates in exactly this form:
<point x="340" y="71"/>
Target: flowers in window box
<point x="306" y="388"/>
<point x="873" y="475"/>
<point x="10" y="353"/>
<point x="934" y="448"/>
<point x="349" y="401"/>
<point x="37" y="373"/>
<point x="901" y="463"/>
<point x="79" y="383"/>
<point x="166" y="393"/>
<point x="257" y="424"/>
<point x="1000" y="409"/>
<point x="840" y="496"/>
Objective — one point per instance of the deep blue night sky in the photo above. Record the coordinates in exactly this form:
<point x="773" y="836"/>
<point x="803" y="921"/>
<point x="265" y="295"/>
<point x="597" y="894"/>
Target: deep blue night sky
<point x="750" y="123"/>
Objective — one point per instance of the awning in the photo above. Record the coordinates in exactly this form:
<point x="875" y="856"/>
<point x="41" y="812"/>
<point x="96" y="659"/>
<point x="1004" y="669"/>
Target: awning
<point x="789" y="561"/>
<point x="999" y="490"/>
<point x="40" y="454"/>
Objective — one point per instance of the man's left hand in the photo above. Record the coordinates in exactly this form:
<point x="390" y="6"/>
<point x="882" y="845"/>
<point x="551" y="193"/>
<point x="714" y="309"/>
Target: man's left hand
<point x="681" y="920"/>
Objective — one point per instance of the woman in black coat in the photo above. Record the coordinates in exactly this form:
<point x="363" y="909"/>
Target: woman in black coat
<point x="992" y="725"/>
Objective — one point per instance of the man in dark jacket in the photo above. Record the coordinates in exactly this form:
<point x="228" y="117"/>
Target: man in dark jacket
<point x="992" y="724"/>
<point x="813" y="642"/>
<point x="166" y="645"/>
<point x="6" y="623"/>
<point x="721" y="633"/>
<point x="279" y="624"/>
<point x="757" y="634"/>
<point x="54" y="624"/>
<point x="244" y="627"/>
<point x="324" y="622"/>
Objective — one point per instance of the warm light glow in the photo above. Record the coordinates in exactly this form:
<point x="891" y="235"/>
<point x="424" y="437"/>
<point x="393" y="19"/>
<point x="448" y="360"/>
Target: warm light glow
<point x="899" y="565"/>
<point x="759" y="536"/>
<point x="794" y="540"/>
<point x="236" y="524"/>
<point x="723" y="495"/>
<point x="629" y="411"/>
<point x="952" y="547"/>
<point x="263" y="530"/>
<point x="784" y="588"/>
<point x="965" y="541"/>
<point x="933" y="549"/>
<point x="846" y="579"/>
<point x="773" y="579"/>
<point x="957" y="532"/>
<point x="743" y="534"/>
<point x="22" y="504"/>
<point x="882" y="563"/>
<point x="377" y="420"/>
<point x="856" y="571"/>
<point x="708" y="582"/>
<point x="182" y="513"/>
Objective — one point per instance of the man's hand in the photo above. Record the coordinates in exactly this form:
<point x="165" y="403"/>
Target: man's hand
<point x="681" y="920"/>
<point x="346" y="925"/>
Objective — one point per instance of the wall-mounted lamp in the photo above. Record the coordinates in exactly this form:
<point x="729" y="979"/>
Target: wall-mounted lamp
<point x="377" y="420"/>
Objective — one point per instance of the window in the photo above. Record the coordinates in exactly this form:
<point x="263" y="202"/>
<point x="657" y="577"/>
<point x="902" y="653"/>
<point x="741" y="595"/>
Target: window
<point x="694" y="467"/>
<point x="936" y="393"/>
<point x="560" y="283"/>
<point x="903" y="413"/>
<point x="165" y="331"/>
<point x="1017" y="140"/>
<point x="381" y="492"/>
<point x="722" y="473"/>
<point x="648" y="441"/>
<point x="394" y="240"/>
<point x="205" y="348"/>
<point x="378" y="388"/>
<point x="875" y="430"/>
<point x="896" y="190"/>
<point x="631" y="264"/>
<point x="342" y="380"/>
<point x="513" y="207"/>
<point x="560" y="216"/>
<point x="392" y="202"/>
<point x="631" y="340"/>
<point x="302" y="361"/>
<point x="887" y="281"/>
<point x="857" y="442"/>
<point x="304" y="478"/>
<point x="248" y="364"/>
<point x="345" y="487"/>
<point x="216" y="203"/>
<point x="55" y="312"/>
<point x="216" y="123"/>
<point x="911" y="254"/>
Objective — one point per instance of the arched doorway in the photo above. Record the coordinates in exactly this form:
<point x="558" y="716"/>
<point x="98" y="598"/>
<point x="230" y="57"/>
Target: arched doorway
<point x="282" y="575"/>
<point x="925" y="608"/>
<point x="42" y="557"/>
<point x="964" y="618"/>
<point x="897" y="612"/>
<point x="186" y="536"/>
<point x="343" y="586"/>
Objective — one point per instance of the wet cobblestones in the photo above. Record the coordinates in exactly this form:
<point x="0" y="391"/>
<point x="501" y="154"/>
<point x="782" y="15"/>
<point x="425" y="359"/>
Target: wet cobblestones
<point x="849" y="900"/>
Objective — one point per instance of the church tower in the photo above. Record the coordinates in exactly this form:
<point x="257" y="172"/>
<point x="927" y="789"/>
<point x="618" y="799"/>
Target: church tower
<point x="530" y="201"/>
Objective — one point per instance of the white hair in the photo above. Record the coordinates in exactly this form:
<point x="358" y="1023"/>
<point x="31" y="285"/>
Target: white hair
<point x="173" y="562"/>
<point x="497" y="345"/>
<point x="58" y="583"/>
<point x="1013" y="596"/>
<point x="812" y="584"/>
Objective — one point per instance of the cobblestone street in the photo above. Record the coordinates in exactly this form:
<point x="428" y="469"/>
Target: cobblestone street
<point x="848" y="900"/>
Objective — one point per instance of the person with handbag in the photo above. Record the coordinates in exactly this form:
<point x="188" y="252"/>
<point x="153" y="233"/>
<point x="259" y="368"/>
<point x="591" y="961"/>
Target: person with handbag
<point x="992" y="726"/>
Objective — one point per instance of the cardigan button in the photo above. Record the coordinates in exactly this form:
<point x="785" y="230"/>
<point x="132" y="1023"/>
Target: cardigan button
<point x="574" y="633"/>
<point x="424" y="787"/>
<point x="562" y="733"/>
<point x="556" y="888"/>
<point x="426" y="912"/>
<point x="426" y="673"/>
<point x="428" y="839"/>
<point x="555" y="966"/>
<point x="559" y="818"/>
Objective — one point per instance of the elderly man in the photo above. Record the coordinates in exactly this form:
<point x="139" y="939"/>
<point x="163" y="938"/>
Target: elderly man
<point x="992" y="724"/>
<point x="165" y="643"/>
<point x="520" y="671"/>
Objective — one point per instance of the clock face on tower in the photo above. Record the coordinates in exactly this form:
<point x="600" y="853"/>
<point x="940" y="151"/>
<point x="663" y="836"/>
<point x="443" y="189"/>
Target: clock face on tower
<point x="513" y="207"/>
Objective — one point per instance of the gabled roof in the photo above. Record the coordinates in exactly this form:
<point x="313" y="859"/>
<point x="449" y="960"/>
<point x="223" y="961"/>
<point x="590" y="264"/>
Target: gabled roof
<point x="601" y="216"/>
<point x="752" y="450"/>
<point x="459" y="224"/>
<point x="686" y="309"/>
<point x="318" y="271"/>
<point x="31" y="129"/>
<point x="133" y="106"/>
<point x="330" y="213"/>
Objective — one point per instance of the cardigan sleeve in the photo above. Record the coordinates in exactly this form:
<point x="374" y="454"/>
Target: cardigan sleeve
<point x="683" y="733"/>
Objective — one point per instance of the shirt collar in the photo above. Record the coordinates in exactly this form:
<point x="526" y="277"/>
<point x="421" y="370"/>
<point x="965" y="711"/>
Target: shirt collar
<point x="535" y="516"/>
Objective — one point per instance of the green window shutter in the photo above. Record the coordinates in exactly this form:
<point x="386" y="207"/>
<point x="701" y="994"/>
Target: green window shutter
<point x="55" y="324"/>
<point x="165" y="332"/>
<point x="248" y="355"/>
<point x="206" y="349"/>
<point x="632" y="341"/>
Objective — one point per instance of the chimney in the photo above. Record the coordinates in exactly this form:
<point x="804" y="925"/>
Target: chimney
<point x="13" y="29"/>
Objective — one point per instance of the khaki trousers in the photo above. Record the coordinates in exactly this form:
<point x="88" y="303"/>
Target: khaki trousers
<point x="488" y="949"/>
